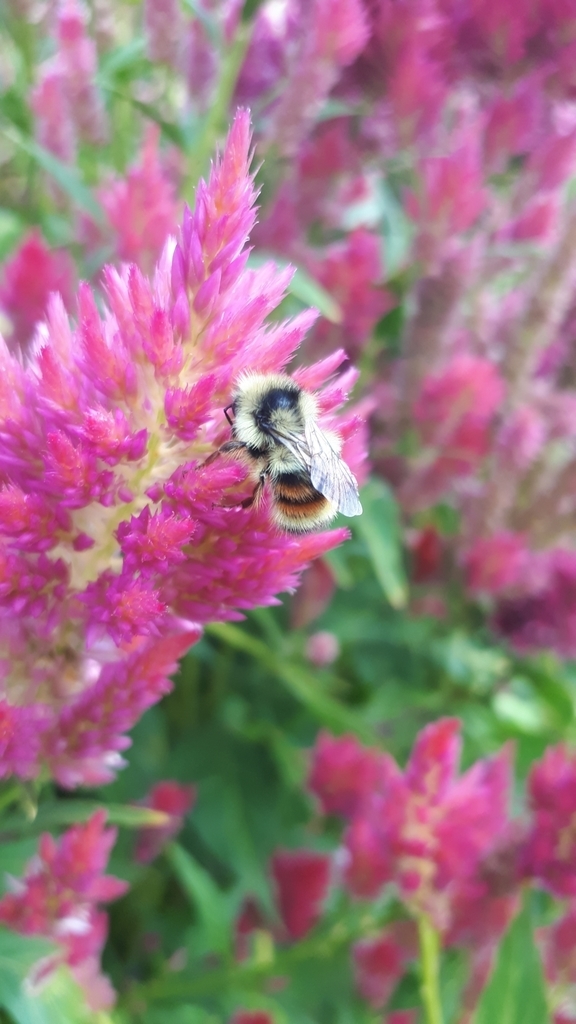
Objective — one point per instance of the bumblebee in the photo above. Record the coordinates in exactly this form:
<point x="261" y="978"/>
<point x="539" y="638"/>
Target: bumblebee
<point x="275" y="430"/>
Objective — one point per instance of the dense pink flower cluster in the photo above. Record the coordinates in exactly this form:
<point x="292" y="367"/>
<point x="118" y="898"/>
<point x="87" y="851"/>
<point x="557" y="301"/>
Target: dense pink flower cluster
<point x="59" y="898"/>
<point x="116" y="541"/>
<point x="458" y="153"/>
<point x="472" y="109"/>
<point x="447" y="845"/>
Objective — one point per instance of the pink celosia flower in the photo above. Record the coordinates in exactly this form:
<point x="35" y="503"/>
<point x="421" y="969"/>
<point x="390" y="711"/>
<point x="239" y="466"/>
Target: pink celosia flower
<point x="164" y="30"/>
<point x="550" y="847"/>
<point x="58" y="898"/>
<point x="141" y="207"/>
<point x="116" y="539"/>
<point x="426" y="551"/>
<point x="496" y="564"/>
<point x="429" y="830"/>
<point x="380" y="962"/>
<point x="456" y="405"/>
<point x="545" y="618"/>
<point x="54" y="126"/>
<point x="175" y="801"/>
<point x="200" y="64"/>
<point x="79" y="60"/>
<point x="331" y="34"/>
<point x="301" y="879"/>
<point x="343" y="773"/>
<point x="28" y="278"/>
<point x="351" y="272"/>
<point x="450" y="200"/>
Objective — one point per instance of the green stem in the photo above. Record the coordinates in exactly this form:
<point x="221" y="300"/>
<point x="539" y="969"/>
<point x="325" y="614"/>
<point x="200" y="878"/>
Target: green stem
<point x="430" y="967"/>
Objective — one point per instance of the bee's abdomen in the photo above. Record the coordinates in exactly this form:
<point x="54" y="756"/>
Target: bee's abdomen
<point x="299" y="507"/>
<point x="295" y="489"/>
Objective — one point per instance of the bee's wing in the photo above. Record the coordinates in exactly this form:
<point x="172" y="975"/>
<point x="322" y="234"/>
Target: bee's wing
<point x="329" y="473"/>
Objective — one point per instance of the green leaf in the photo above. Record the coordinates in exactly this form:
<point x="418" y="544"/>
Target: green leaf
<point x="300" y="681"/>
<point x="397" y="231"/>
<point x="14" y="856"/>
<point x="11" y="228"/>
<point x="65" y="176"/>
<point x="379" y="528"/>
<point x="215" y="909"/>
<point x="17" y="955"/>
<point x="516" y="993"/>
<point x="306" y="288"/>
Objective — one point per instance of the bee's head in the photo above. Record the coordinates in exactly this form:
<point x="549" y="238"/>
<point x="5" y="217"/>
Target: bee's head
<point x="262" y="405"/>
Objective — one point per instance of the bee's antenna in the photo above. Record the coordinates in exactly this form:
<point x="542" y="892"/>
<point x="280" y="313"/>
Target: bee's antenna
<point x="226" y="413"/>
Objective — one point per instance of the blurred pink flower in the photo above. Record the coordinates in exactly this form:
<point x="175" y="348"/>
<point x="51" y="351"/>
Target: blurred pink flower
<point x="343" y="773"/>
<point x="175" y="801"/>
<point x="301" y="879"/>
<point x="164" y="26"/>
<point x="322" y="648"/>
<point x="58" y="898"/>
<point x="27" y="279"/>
<point x="54" y="126"/>
<point x="430" y="831"/>
<point x="331" y="34"/>
<point x="495" y="564"/>
<point x="550" y="849"/>
<point x="351" y="271"/>
<point x="78" y="57"/>
<point x="380" y="962"/>
<point x="545" y="618"/>
<point x="450" y="198"/>
<point x="142" y="208"/>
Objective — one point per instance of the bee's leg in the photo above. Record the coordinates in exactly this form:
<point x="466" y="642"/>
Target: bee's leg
<point x="230" y="446"/>
<point x="254" y="498"/>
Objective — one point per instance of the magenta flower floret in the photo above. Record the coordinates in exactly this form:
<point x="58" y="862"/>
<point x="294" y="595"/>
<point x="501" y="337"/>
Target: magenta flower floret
<point x="58" y="898"/>
<point x="116" y="540"/>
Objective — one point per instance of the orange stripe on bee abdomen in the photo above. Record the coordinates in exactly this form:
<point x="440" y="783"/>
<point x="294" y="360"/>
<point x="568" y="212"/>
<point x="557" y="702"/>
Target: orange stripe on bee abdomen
<point x="295" y="489"/>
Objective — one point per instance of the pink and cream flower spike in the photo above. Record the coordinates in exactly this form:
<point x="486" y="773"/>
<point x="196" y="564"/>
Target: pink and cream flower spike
<point x="116" y="541"/>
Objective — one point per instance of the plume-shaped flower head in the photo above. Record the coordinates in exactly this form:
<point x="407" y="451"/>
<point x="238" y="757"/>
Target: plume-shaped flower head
<point x="117" y="541"/>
